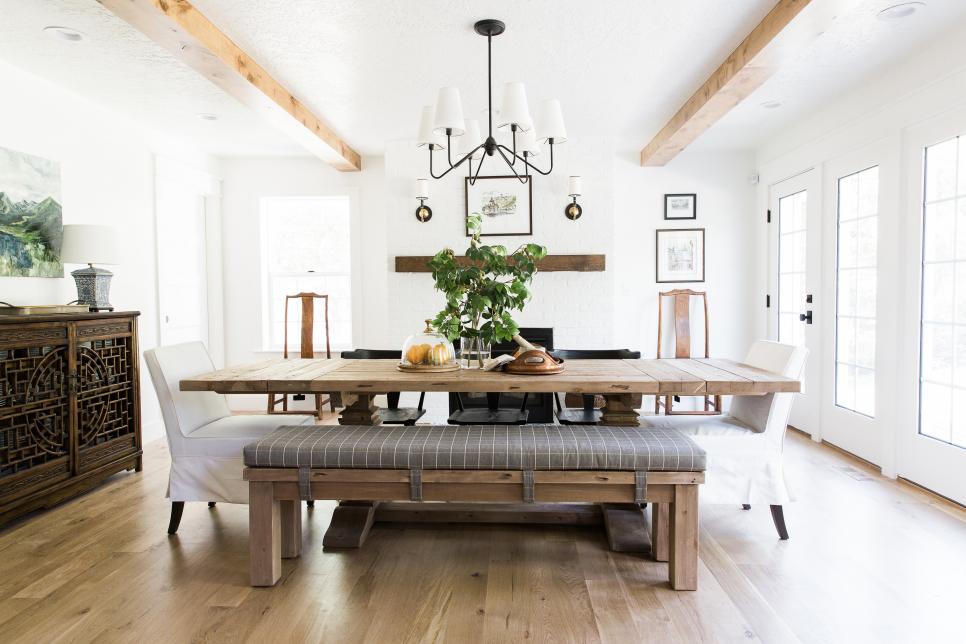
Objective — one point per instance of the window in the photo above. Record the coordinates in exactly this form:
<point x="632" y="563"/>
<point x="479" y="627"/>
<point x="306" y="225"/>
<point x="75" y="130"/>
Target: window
<point x="858" y="220"/>
<point x="792" y="221"/>
<point x="306" y="248"/>
<point x="942" y="369"/>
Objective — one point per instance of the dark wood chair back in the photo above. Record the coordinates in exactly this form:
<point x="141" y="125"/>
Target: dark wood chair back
<point x="681" y="321"/>
<point x="371" y="354"/>
<point x="306" y="344"/>
<point x="596" y="354"/>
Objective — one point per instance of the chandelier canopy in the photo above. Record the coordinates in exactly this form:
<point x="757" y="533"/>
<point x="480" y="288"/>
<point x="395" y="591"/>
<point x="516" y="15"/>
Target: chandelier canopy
<point x="443" y="124"/>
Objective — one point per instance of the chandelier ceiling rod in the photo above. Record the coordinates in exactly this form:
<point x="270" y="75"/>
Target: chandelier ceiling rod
<point x="489" y="146"/>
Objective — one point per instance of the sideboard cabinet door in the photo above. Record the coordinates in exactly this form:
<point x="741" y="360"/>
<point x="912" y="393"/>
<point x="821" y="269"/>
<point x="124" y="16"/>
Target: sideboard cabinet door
<point x="106" y="391"/>
<point x="35" y="439"/>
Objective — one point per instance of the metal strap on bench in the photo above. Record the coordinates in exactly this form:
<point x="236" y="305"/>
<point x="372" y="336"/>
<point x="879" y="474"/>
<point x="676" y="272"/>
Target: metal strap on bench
<point x="305" y="483"/>
<point x="640" y="486"/>
<point x="415" y="485"/>
<point x="528" y="486"/>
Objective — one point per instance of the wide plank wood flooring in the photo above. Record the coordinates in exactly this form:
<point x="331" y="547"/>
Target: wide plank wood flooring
<point x="869" y="560"/>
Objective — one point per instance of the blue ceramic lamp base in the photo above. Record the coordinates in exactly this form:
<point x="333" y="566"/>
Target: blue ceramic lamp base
<point x="94" y="287"/>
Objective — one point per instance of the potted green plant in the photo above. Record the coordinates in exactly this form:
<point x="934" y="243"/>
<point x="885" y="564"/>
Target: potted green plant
<point x="481" y="294"/>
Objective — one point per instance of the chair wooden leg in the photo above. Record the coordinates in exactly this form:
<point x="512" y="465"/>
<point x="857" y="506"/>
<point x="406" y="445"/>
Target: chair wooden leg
<point x="290" y="514"/>
<point x="683" y="561"/>
<point x="177" y="509"/>
<point x="778" y="516"/>
<point x="310" y="504"/>
<point x="659" y="531"/>
<point x="264" y="534"/>
<point x="211" y="504"/>
<point x="745" y="506"/>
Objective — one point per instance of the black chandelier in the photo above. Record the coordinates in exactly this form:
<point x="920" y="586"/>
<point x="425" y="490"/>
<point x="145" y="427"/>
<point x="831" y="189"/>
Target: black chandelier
<point x="446" y="120"/>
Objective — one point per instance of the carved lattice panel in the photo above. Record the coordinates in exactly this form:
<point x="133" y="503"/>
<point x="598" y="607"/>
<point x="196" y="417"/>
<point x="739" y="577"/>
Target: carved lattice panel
<point x="105" y="391"/>
<point x="34" y="407"/>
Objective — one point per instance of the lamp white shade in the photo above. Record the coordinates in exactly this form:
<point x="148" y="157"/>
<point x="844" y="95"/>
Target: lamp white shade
<point x="527" y="142"/>
<point x="472" y="138"/>
<point x="515" y="110"/>
<point x="422" y="189"/>
<point x="574" y="186"/>
<point x="550" y="123"/>
<point x="88" y="244"/>
<point x="449" y="112"/>
<point x="426" y="134"/>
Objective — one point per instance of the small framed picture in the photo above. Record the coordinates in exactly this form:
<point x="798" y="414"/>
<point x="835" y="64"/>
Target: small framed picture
<point x="505" y="205"/>
<point x="680" y="206"/>
<point x="680" y="255"/>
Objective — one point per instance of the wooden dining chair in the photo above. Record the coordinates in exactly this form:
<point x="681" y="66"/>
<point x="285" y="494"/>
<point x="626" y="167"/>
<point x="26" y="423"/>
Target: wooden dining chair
<point x="306" y="350"/>
<point x="681" y="318"/>
<point x="586" y="409"/>
<point x="392" y="414"/>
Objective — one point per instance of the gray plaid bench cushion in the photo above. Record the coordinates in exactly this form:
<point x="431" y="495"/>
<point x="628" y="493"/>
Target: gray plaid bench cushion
<point x="477" y="447"/>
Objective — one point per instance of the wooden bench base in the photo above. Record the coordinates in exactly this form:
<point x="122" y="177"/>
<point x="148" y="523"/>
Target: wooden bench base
<point x="275" y="514"/>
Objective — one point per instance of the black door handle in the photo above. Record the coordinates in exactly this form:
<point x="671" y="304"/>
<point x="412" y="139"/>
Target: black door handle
<point x="805" y="317"/>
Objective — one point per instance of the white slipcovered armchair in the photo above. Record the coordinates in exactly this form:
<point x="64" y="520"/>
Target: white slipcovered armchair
<point x="745" y="446"/>
<point x="204" y="438"/>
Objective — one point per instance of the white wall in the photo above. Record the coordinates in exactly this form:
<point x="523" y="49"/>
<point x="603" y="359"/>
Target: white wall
<point x="107" y="177"/>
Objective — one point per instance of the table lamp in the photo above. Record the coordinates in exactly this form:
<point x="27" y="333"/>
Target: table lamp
<point x="87" y="244"/>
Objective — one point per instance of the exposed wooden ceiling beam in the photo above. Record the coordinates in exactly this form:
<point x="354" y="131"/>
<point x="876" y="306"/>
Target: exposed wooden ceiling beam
<point x="184" y="32"/>
<point x="742" y="72"/>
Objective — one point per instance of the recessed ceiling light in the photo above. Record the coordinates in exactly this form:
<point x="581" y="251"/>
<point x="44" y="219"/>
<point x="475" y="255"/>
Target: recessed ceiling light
<point x="901" y="10"/>
<point x="771" y="105"/>
<point x="64" y="33"/>
<point x="204" y="116"/>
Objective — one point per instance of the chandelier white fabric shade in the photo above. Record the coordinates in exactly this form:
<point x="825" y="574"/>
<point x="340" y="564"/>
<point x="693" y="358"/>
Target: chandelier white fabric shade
<point x="515" y="110"/>
<point x="527" y="141"/>
<point x="449" y="112"/>
<point x="550" y="123"/>
<point x="426" y="134"/>
<point x="472" y="139"/>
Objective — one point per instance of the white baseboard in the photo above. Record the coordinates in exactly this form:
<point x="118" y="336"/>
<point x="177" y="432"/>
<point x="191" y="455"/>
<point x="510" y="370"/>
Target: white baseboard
<point x="151" y="430"/>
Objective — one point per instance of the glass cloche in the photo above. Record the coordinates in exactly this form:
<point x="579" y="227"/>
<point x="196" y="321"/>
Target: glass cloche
<point x="428" y="351"/>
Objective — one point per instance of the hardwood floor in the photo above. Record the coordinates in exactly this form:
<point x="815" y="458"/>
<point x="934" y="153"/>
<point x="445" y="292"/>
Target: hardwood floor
<point x="869" y="560"/>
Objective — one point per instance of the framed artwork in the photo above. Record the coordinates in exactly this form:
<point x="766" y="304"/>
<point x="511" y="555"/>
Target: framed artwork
<point x="681" y="206"/>
<point x="505" y="205"/>
<point x="31" y="224"/>
<point x="680" y="255"/>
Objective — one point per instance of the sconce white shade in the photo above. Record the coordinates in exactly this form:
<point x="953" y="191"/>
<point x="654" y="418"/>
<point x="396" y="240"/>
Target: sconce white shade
<point x="527" y="141"/>
<point x="449" y="112"/>
<point x="422" y="188"/>
<point x="515" y="110"/>
<point x="89" y="244"/>
<point x="550" y="123"/>
<point x="574" y="185"/>
<point x="426" y="134"/>
<point x="472" y="138"/>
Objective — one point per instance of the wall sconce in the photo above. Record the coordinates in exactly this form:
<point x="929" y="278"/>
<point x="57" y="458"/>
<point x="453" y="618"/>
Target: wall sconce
<point x="573" y="210"/>
<point x="423" y="213"/>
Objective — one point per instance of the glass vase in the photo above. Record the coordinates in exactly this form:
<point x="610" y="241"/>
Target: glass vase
<point x="473" y="353"/>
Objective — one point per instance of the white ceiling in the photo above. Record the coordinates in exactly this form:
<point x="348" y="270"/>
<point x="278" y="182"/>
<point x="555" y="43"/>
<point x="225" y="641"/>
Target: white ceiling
<point x="620" y="68"/>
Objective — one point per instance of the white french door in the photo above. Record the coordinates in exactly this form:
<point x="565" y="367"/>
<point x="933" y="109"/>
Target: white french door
<point x="858" y="360"/>
<point x="932" y="433"/>
<point x="795" y="254"/>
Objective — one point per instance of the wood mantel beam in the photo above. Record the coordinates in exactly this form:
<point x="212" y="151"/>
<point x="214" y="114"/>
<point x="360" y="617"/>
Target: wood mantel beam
<point x="779" y="34"/>
<point x="182" y="30"/>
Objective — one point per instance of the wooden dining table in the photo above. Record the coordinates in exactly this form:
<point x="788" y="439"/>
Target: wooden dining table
<point x="620" y="382"/>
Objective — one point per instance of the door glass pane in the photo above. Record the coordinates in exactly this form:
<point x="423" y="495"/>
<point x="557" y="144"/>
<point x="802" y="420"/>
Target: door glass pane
<point x="856" y="239"/>
<point x="942" y="351"/>
<point x="792" y="219"/>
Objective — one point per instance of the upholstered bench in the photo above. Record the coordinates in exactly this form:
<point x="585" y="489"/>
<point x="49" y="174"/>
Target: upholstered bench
<point x="470" y="463"/>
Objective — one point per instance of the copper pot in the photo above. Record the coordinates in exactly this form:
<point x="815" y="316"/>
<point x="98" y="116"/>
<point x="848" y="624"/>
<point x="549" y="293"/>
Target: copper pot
<point x="535" y="362"/>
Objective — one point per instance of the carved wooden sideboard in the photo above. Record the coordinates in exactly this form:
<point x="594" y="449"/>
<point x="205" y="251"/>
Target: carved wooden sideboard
<point x="69" y="406"/>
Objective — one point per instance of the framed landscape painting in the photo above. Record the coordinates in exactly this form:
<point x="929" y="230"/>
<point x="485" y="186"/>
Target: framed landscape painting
<point x="31" y="224"/>
<point x="680" y="255"/>
<point x="505" y="205"/>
